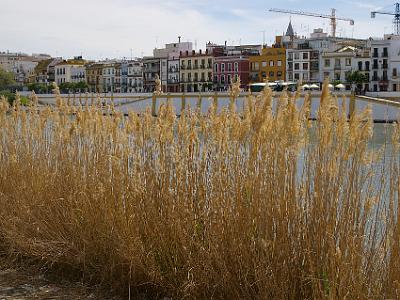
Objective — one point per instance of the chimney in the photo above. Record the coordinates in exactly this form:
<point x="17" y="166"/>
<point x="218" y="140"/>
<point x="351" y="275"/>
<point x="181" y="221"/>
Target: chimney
<point x="225" y="43"/>
<point x="193" y="52"/>
<point x="179" y="39"/>
<point x="200" y="51"/>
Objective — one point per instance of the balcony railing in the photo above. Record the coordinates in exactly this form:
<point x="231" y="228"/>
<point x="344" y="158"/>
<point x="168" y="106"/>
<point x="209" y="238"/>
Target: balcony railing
<point x="384" y="66"/>
<point x="375" y="66"/>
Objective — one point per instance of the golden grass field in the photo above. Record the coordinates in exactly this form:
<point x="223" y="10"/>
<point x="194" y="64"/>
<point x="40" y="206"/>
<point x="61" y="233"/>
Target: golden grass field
<point x="204" y="206"/>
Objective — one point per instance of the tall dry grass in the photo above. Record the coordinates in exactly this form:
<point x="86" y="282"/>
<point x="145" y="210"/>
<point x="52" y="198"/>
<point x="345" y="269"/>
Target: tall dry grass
<point x="261" y="205"/>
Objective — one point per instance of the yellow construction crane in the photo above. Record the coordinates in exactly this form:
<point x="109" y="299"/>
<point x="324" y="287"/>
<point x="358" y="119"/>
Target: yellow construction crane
<point x="332" y="17"/>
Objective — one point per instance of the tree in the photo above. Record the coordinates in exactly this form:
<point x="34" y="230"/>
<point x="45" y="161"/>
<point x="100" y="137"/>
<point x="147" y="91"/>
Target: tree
<point x="6" y="79"/>
<point x="356" y="77"/>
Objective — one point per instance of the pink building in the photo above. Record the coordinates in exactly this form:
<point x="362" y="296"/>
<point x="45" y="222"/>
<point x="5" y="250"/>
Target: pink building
<point x="228" y="68"/>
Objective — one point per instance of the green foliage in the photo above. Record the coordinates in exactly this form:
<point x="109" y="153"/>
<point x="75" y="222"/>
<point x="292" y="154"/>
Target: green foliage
<point x="6" y="79"/>
<point x="39" y="88"/>
<point x="11" y="97"/>
<point x="68" y="87"/>
<point x="356" y="77"/>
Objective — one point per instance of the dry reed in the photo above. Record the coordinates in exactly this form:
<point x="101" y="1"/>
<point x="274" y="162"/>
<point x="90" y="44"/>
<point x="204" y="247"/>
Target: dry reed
<point x="255" y="205"/>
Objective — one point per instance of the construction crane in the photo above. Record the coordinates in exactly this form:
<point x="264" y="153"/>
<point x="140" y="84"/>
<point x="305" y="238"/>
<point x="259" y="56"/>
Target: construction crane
<point x="396" y="14"/>
<point x="332" y="17"/>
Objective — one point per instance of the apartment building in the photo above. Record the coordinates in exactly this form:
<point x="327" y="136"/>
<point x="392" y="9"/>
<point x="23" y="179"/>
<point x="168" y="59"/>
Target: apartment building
<point x="228" y="69"/>
<point x="385" y="63"/>
<point x="22" y="65"/>
<point x="135" y="76"/>
<point x="72" y="70"/>
<point x="337" y="65"/>
<point x="271" y="63"/>
<point x="94" y="77"/>
<point x="173" y="81"/>
<point x="196" y="71"/>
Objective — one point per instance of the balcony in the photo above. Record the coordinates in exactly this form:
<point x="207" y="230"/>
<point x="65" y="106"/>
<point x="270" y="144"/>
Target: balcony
<point x="375" y="66"/>
<point x="337" y="67"/>
<point x="202" y="66"/>
<point x="375" y="55"/>
<point x="195" y="67"/>
<point x="384" y="54"/>
<point x="384" y="66"/>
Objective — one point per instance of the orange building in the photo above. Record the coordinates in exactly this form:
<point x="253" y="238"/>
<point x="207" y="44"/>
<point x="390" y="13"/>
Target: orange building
<point x="271" y="63"/>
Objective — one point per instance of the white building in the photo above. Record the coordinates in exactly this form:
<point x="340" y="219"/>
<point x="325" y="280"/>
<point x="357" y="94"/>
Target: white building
<point x="72" y="70"/>
<point x="21" y="64"/>
<point x="306" y="56"/>
<point x="385" y="63"/>
<point x="135" y="76"/>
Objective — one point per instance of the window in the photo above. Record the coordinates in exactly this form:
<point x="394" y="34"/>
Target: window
<point x="296" y="66"/>
<point x="229" y="78"/>
<point x="216" y="68"/>
<point x="279" y="73"/>
<point x="394" y="87"/>
<point x="279" y="63"/>
<point x="337" y="76"/>
<point x="271" y="63"/>
<point x="360" y="66"/>
<point x="236" y="66"/>
<point x="305" y="66"/>
<point x="222" y="78"/>
<point x="271" y="74"/>
<point x="297" y="76"/>
<point x="296" y="55"/>
<point x="327" y="63"/>
<point x="215" y="78"/>
<point x="305" y="76"/>
<point x="229" y="67"/>
<point x="337" y="62"/>
<point x="348" y="61"/>
<point x="326" y="75"/>
<point x="394" y="72"/>
<point x="256" y="66"/>
<point x="264" y="64"/>
<point x="305" y="55"/>
<point x="263" y="74"/>
<point x="223" y="68"/>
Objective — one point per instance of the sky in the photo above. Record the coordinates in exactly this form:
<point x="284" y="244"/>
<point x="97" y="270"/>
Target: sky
<point x="100" y="29"/>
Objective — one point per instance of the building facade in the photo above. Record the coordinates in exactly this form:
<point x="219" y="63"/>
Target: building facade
<point x="72" y="71"/>
<point x="196" y="71"/>
<point x="271" y="63"/>
<point x="228" y="69"/>
<point x="135" y="76"/>
<point x="94" y="77"/>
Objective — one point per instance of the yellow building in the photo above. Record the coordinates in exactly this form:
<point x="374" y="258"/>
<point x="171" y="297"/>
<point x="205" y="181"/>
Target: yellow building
<point x="270" y="64"/>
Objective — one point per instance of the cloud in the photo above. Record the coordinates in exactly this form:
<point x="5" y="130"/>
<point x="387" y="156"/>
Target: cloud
<point x="103" y="28"/>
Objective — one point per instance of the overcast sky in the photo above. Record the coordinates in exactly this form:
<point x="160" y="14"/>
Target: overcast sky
<point x="99" y="29"/>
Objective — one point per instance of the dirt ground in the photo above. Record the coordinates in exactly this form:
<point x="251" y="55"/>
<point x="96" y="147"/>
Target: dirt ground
<point x="16" y="283"/>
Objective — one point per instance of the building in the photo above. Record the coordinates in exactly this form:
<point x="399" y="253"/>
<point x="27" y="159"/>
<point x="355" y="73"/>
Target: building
<point x="135" y="76"/>
<point x="94" y="77"/>
<point x="337" y="65"/>
<point x="72" y="71"/>
<point x="151" y="69"/>
<point x="173" y="81"/>
<point x="109" y="76"/>
<point x="385" y="63"/>
<point x="228" y="69"/>
<point x="196" y="71"/>
<point x="22" y="65"/>
<point x="305" y="55"/>
<point x="161" y="57"/>
<point x="271" y="63"/>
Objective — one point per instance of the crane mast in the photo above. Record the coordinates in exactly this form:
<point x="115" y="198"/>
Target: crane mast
<point x="396" y="19"/>
<point x="332" y="17"/>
